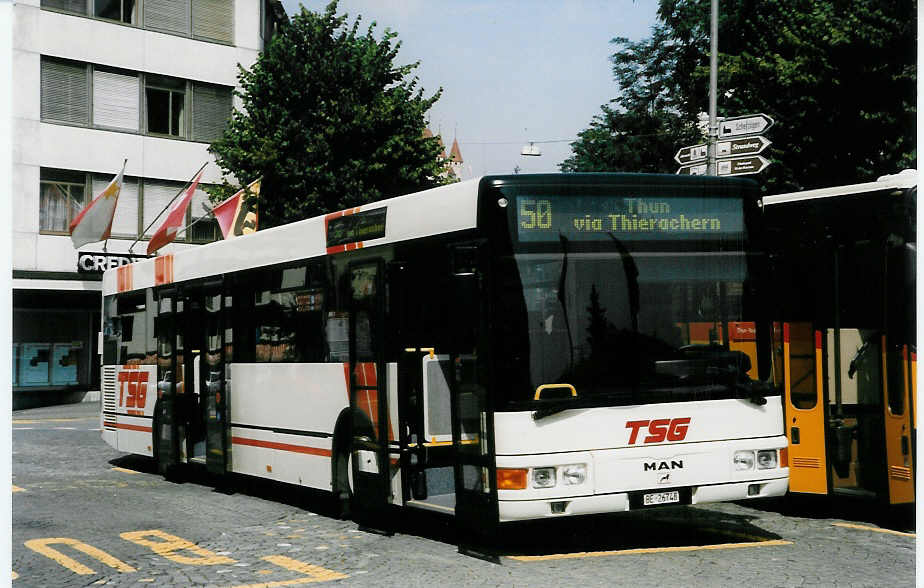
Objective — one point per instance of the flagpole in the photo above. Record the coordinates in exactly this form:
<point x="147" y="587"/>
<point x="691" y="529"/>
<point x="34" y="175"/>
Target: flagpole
<point x="121" y="175"/>
<point x="186" y="185"/>
<point x="209" y="212"/>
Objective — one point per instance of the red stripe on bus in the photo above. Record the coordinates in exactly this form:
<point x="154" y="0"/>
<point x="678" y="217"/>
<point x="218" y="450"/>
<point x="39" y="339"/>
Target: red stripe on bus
<point x="133" y="427"/>
<point x="785" y="332"/>
<point x="281" y="446"/>
<point x="817" y="339"/>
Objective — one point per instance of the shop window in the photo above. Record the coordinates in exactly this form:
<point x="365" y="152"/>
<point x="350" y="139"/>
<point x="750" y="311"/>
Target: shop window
<point x="121" y="10"/>
<point x="62" y="195"/>
<point x="165" y="105"/>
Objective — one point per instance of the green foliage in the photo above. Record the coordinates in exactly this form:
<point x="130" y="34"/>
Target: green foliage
<point x="838" y="76"/>
<point x="329" y="121"/>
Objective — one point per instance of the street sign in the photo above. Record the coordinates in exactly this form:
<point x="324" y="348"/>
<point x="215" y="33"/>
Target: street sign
<point x="742" y="146"/>
<point x="737" y="126"/>
<point x="697" y="169"/>
<point x="691" y="154"/>
<point x="741" y="166"/>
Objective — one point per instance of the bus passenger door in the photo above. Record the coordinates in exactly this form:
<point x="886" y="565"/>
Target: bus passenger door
<point x="804" y="408"/>
<point x="472" y="423"/>
<point x="368" y="398"/>
<point x="166" y="424"/>
<point x="212" y="370"/>
<point x="897" y="423"/>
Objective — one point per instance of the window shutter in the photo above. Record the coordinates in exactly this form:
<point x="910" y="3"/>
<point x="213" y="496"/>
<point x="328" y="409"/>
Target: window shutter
<point x="125" y="221"/>
<point x="156" y="197"/>
<point x="211" y="111"/>
<point x="213" y="19"/>
<point x="116" y="100"/>
<point x="171" y="16"/>
<point x="65" y="92"/>
<point x="78" y="6"/>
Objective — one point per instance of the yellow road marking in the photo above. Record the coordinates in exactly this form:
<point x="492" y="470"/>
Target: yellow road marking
<point x="875" y="529"/>
<point x="18" y="489"/>
<point x="171" y="543"/>
<point x="38" y="421"/>
<point x="124" y="470"/>
<point x="42" y="546"/>
<point x="313" y="573"/>
<point x="648" y="550"/>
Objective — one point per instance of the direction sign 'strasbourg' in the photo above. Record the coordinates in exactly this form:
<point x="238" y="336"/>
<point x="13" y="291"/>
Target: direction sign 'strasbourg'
<point x="744" y="125"/>
<point x="741" y="166"/>
<point x="742" y="146"/>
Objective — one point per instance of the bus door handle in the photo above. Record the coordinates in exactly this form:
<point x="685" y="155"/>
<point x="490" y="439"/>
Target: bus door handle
<point x="905" y="445"/>
<point x="794" y="435"/>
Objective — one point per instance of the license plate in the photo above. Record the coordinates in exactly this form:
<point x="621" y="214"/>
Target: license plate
<point x="661" y="498"/>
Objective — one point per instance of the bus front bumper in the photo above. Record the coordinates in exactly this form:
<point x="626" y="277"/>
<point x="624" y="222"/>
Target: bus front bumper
<point x="522" y="510"/>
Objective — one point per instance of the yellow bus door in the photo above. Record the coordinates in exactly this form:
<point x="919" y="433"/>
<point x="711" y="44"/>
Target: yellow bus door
<point x="897" y="424"/>
<point x="804" y="407"/>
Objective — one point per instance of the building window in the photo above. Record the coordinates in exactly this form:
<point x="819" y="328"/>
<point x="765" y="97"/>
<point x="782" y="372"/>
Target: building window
<point x="165" y="105"/>
<point x="115" y="99"/>
<point x="211" y="109"/>
<point x="78" y="6"/>
<point x="121" y="10"/>
<point x="62" y="195"/>
<point x="207" y="20"/>
<point x="65" y="91"/>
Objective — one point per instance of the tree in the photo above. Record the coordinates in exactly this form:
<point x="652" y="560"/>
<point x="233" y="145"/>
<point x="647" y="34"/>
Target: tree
<point x="838" y="76"/>
<point x="329" y="121"/>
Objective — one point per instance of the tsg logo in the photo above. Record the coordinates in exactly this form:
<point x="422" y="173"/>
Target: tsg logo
<point x="659" y="430"/>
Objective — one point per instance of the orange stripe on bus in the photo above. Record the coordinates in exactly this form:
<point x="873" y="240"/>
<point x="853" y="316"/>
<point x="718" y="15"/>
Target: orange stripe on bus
<point x="281" y="446"/>
<point x="133" y="427"/>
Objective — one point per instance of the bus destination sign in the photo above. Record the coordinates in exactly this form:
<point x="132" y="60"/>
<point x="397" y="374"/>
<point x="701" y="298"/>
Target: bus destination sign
<point x="595" y="218"/>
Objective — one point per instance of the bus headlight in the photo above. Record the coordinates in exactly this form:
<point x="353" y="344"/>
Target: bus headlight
<point x="543" y="477"/>
<point x="743" y="460"/>
<point x="574" y="474"/>
<point x="766" y="459"/>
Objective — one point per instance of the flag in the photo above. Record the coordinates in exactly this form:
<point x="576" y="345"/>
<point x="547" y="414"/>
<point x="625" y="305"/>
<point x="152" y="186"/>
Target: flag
<point x="176" y="218"/>
<point x="95" y="221"/>
<point x="234" y="216"/>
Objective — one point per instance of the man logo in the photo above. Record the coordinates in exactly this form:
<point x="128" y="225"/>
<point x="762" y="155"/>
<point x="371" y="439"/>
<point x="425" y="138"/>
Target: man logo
<point x="674" y="464"/>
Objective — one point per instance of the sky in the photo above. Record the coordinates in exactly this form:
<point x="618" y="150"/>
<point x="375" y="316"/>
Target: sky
<point x="512" y="71"/>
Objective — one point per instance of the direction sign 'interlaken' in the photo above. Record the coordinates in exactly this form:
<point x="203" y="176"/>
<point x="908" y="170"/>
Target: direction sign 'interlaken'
<point x="744" y="125"/>
<point x="691" y="154"/>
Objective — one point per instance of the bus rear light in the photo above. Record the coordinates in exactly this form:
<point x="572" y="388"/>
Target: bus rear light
<point x="511" y="479"/>
<point x="784" y="457"/>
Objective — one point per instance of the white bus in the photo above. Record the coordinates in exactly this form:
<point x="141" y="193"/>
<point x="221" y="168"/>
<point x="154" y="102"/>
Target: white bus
<point x="503" y="349"/>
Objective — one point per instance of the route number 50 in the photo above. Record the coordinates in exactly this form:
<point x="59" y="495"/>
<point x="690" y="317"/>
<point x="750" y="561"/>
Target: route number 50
<point x="535" y="214"/>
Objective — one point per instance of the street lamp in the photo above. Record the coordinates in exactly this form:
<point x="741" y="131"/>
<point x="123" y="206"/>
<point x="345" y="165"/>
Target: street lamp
<point x="531" y="150"/>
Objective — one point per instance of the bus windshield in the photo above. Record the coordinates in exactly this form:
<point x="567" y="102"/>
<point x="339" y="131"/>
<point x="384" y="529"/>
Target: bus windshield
<point x="636" y="312"/>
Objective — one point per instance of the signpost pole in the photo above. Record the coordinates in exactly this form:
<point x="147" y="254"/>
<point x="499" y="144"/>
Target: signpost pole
<point x="713" y="84"/>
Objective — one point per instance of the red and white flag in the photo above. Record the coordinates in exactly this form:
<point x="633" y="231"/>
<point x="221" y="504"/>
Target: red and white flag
<point x="175" y="219"/>
<point x="235" y="217"/>
<point x="95" y="221"/>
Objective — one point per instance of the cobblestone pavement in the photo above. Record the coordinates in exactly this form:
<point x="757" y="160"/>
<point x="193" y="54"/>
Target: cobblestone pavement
<point x="87" y="515"/>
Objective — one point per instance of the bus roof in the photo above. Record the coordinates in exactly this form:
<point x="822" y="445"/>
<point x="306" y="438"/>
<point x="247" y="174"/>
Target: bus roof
<point x="901" y="181"/>
<point x="436" y="211"/>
